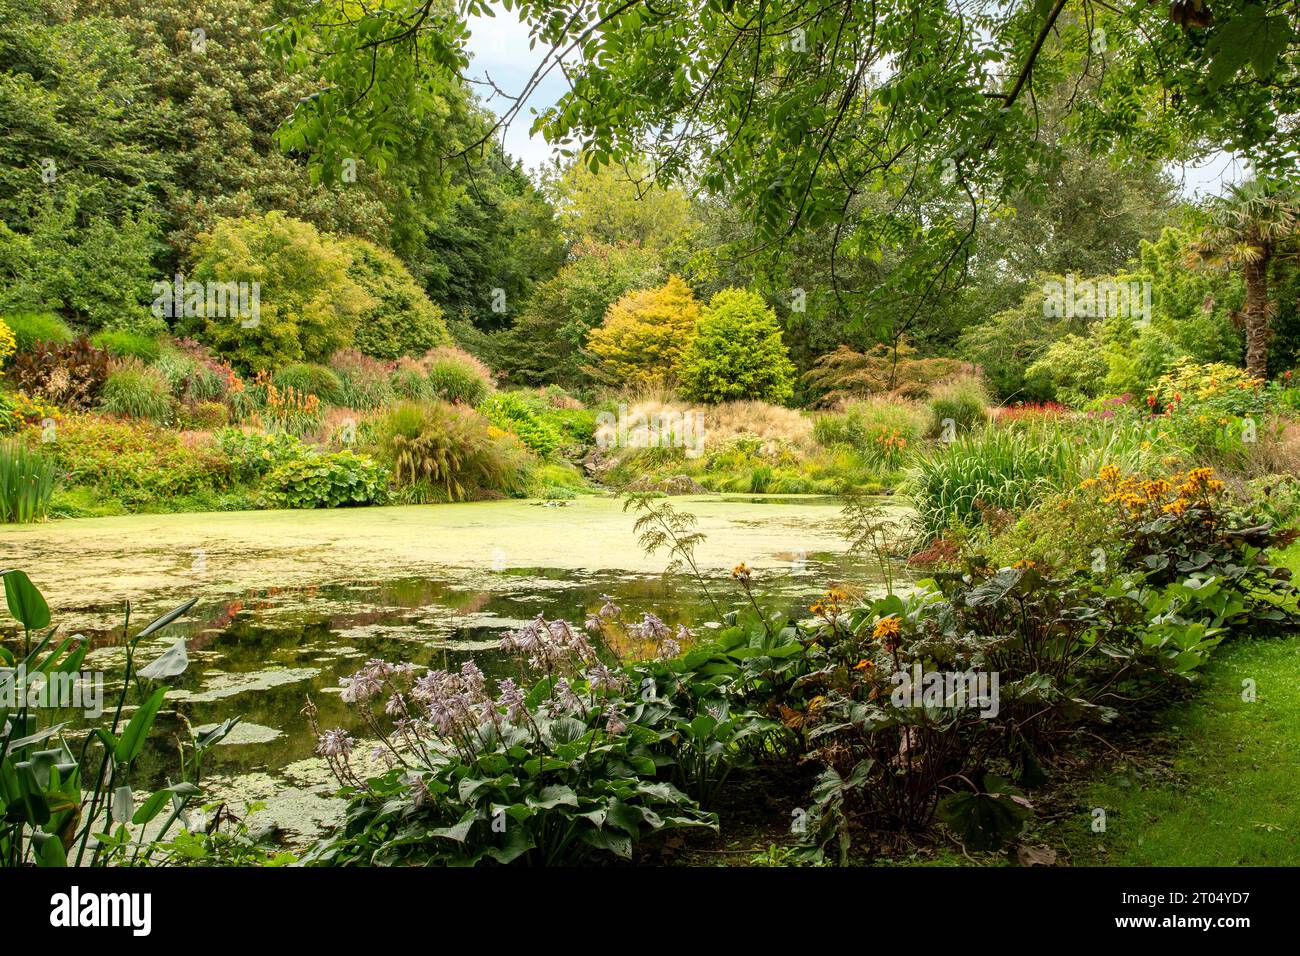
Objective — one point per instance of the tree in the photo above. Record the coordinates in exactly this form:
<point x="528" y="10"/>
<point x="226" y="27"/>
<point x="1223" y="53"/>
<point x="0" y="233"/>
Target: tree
<point x="546" y="342"/>
<point x="306" y="305"/>
<point x="645" y="335"/>
<point x="498" y="232"/>
<point x="737" y="352"/>
<point x="1248" y="229"/>
<point x="795" y="112"/>
<point x="402" y="320"/>
<point x="619" y="203"/>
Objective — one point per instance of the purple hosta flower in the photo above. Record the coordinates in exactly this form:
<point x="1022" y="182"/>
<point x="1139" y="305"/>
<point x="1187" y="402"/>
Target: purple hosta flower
<point x="472" y="680"/>
<point x="419" y="789"/>
<point x="378" y="754"/>
<point x="650" y="628"/>
<point x="396" y="706"/>
<point x="672" y="646"/>
<point x="570" y="639"/>
<point x="527" y="639"/>
<point x="609" y="609"/>
<point x="602" y="678"/>
<point x="593" y="623"/>
<point x="334" y="743"/>
<point x="613" y="721"/>
<point x="565" y="695"/>
<point x="361" y="687"/>
<point x="512" y="699"/>
<point x="433" y="685"/>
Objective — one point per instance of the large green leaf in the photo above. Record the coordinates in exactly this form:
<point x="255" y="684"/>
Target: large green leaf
<point x="25" y="602"/>
<point x="133" y="737"/>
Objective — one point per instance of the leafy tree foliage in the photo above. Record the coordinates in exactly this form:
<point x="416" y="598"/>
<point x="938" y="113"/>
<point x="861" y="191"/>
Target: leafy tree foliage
<point x="618" y="204"/>
<point x="737" y="352"/>
<point x="309" y="304"/>
<point x="402" y="320"/>
<point x="546" y="344"/>
<point x="894" y="125"/>
<point x="498" y="232"/>
<point x="645" y="335"/>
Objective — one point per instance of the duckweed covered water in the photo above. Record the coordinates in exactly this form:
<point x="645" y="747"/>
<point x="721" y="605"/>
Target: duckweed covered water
<point x="290" y="602"/>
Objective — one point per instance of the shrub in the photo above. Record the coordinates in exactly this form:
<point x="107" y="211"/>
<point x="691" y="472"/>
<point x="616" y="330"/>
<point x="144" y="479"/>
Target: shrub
<point x="29" y="328"/>
<point x="18" y="409"/>
<point x="534" y="424"/>
<point x="135" y="390"/>
<point x="737" y="353"/>
<point x="1071" y="370"/>
<point x="363" y="382"/>
<point x="446" y="450"/>
<point x="310" y="379"/>
<point x="252" y="454"/>
<point x="457" y="376"/>
<point x="7" y="342"/>
<point x="402" y="320"/>
<point x="69" y="374"/>
<point x="308" y="305"/>
<point x="599" y="793"/>
<point x="26" y="483"/>
<point x="325" y="481"/>
<point x="961" y="401"/>
<point x="844" y="374"/>
<point x="544" y="344"/>
<point x="410" y="382"/>
<point x="120" y="343"/>
<point x="204" y="416"/>
<point x="136" y="461"/>
<point x="195" y="374"/>
<point x="1210" y="386"/>
<point x="645" y="334"/>
<point x="880" y="428"/>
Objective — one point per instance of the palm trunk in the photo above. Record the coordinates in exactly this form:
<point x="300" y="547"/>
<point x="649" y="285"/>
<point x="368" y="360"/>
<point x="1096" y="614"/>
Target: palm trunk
<point x="1257" y="330"/>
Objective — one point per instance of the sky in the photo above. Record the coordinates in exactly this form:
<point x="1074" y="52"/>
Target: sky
<point x="499" y="49"/>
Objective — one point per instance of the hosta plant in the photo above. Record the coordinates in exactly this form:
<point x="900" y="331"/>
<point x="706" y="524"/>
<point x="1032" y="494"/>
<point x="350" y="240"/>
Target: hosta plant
<point x="559" y="773"/>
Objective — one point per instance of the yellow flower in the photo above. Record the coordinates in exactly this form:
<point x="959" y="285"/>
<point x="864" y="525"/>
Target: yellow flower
<point x="740" y="572"/>
<point x="887" y="627"/>
<point x="863" y="665"/>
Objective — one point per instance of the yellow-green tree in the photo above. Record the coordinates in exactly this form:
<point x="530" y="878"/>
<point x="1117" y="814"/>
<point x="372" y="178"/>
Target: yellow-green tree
<point x="619" y="204"/>
<point x="270" y="290"/>
<point x="645" y="334"/>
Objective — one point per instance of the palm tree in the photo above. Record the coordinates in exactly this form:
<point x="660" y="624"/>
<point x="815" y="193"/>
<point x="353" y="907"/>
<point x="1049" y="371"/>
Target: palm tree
<point x="1248" y="229"/>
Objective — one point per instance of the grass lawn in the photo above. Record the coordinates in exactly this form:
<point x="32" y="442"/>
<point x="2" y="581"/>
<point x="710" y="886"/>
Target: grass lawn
<point x="1224" y="790"/>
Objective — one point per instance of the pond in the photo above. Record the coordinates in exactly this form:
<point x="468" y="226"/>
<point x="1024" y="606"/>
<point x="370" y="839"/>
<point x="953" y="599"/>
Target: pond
<point x="290" y="602"/>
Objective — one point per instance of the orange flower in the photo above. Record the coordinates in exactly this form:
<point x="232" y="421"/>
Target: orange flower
<point x="887" y="627"/>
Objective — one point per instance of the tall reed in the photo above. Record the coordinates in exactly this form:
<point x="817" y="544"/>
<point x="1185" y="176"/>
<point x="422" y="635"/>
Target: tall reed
<point x="26" y="483"/>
